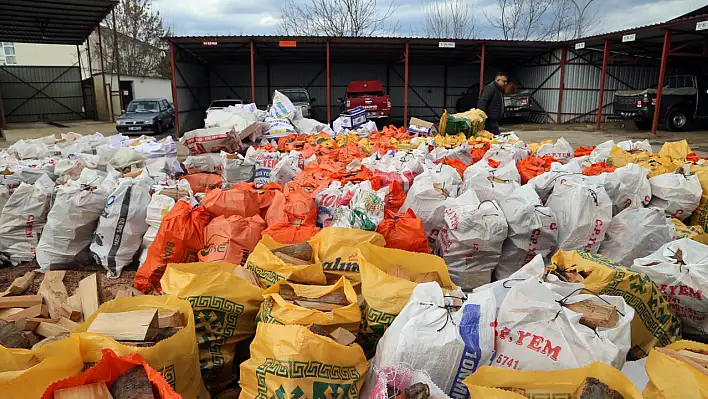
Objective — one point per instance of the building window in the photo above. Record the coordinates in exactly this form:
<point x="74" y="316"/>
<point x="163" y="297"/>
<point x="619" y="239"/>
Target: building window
<point x="7" y="53"/>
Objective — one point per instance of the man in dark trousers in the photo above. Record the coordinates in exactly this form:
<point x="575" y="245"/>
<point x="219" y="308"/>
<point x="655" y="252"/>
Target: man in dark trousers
<point x="491" y="101"/>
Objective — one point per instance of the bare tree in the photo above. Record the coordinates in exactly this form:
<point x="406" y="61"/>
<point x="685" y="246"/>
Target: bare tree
<point x="450" y="19"/>
<point x="544" y="19"/>
<point x="585" y="18"/>
<point x="138" y="31"/>
<point x="336" y="18"/>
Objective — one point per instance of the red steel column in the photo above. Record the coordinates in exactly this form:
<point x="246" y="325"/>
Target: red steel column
<point x="329" y="89"/>
<point x="253" y="74"/>
<point x="481" y="68"/>
<point x="405" y="91"/>
<point x="564" y="56"/>
<point x="601" y="101"/>
<point x="662" y="72"/>
<point x="174" y="88"/>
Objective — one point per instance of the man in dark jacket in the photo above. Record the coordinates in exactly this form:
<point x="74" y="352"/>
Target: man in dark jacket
<point x="491" y="101"/>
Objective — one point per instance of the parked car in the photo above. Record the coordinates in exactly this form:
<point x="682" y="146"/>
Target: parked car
<point x="300" y="98"/>
<point x="370" y="95"/>
<point x="152" y="115"/>
<point x="515" y="105"/>
<point x="684" y="99"/>
<point x="221" y="104"/>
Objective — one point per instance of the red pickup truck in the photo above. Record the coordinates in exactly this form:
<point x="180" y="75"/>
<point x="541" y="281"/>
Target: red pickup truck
<point x="370" y="95"/>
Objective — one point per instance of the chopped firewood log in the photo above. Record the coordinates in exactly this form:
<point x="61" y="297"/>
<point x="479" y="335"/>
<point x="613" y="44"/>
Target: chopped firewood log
<point x="136" y="325"/>
<point x="317" y="329"/>
<point x="135" y="173"/>
<point x="302" y="251"/>
<point x="683" y="358"/>
<point x="49" y="340"/>
<point x="74" y="302"/>
<point x="430" y="277"/>
<point x="321" y="306"/>
<point x="515" y="390"/>
<point x="47" y="330"/>
<point x="335" y="297"/>
<point x="133" y="384"/>
<point x="123" y="293"/>
<point x="23" y="301"/>
<point x="12" y="337"/>
<point x="291" y="260"/>
<point x="418" y="390"/>
<point x="97" y="390"/>
<point x="592" y="388"/>
<point x="136" y="292"/>
<point x="699" y="358"/>
<point x="34" y="311"/>
<point x="570" y="276"/>
<point x="164" y="333"/>
<point x="88" y="292"/>
<point x="71" y="313"/>
<point x="170" y="319"/>
<point x="5" y="313"/>
<point x="596" y="313"/>
<point x="398" y="272"/>
<point x="242" y="272"/>
<point x="31" y="324"/>
<point x="68" y="324"/>
<point x="343" y="336"/>
<point x="54" y="292"/>
<point x="138" y="344"/>
<point x="32" y="338"/>
<point x="19" y="285"/>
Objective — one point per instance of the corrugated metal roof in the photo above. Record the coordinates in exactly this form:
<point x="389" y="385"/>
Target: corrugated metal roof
<point x="51" y="21"/>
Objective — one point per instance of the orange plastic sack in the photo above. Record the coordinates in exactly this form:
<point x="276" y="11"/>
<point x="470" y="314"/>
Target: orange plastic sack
<point x="298" y="228"/>
<point x="296" y="203"/>
<point x="108" y="369"/>
<point x="179" y="239"/>
<point x="200" y="182"/>
<point x="395" y="198"/>
<point x="583" y="151"/>
<point x="404" y="231"/>
<point x="456" y="163"/>
<point x="231" y="239"/>
<point x="239" y="201"/>
<point x="265" y="194"/>
<point x="478" y="152"/>
<point x="598" y="169"/>
<point x="531" y="167"/>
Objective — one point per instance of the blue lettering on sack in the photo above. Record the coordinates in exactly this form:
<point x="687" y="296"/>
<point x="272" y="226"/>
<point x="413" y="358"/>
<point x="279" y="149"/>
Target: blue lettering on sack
<point x="469" y="331"/>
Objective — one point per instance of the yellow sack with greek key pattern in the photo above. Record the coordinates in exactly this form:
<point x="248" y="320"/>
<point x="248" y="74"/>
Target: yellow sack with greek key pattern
<point x="653" y="325"/>
<point x="673" y="379"/>
<point x="293" y="362"/>
<point x="225" y="308"/>
<point x="270" y="269"/>
<point x="335" y="249"/>
<point x="275" y="309"/>
<point x="176" y="357"/>
<point x="384" y="293"/>
<point x="27" y="373"/>
<point x="556" y="384"/>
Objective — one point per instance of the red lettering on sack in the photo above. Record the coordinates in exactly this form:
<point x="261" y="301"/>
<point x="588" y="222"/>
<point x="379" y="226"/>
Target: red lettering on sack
<point x="553" y="226"/>
<point x="535" y="343"/>
<point x="522" y="335"/>
<point x="551" y="351"/>
<point x="595" y="236"/>
<point x="29" y="226"/>
<point x="454" y="218"/>
<point x="503" y="334"/>
<point x="683" y="290"/>
<point x="677" y="213"/>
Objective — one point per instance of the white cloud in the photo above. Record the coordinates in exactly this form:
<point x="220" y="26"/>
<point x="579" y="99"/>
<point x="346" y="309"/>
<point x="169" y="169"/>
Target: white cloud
<point x="640" y="14"/>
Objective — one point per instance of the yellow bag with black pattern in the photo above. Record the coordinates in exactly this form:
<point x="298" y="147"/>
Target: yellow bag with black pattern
<point x="653" y="325"/>
<point x="225" y="308"/>
<point x="293" y="362"/>
<point x="270" y="269"/>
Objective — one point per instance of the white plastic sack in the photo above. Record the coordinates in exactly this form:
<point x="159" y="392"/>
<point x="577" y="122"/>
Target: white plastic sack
<point x="236" y="169"/>
<point x="369" y="202"/>
<point x="126" y="157"/>
<point x="601" y="152"/>
<point x="535" y="332"/>
<point x="504" y="153"/>
<point x="379" y="381"/>
<point x="285" y="170"/>
<point x="23" y="219"/>
<point x="431" y="335"/>
<point x="500" y="288"/>
<point x="678" y="195"/>
<point x="461" y="152"/>
<point x="4" y="197"/>
<point x="122" y="225"/>
<point x="636" y="233"/>
<point x="203" y="163"/>
<point x="562" y="151"/>
<point x="278" y="127"/>
<point x="544" y="183"/>
<point x="72" y="220"/>
<point x="160" y="205"/>
<point x="471" y="240"/>
<point x="216" y="139"/>
<point x="630" y="145"/>
<point x="533" y="230"/>
<point x="25" y="149"/>
<point x="634" y="188"/>
<point x="448" y="175"/>
<point x="309" y="126"/>
<point x="264" y="162"/>
<point x="282" y="107"/>
<point x="679" y="269"/>
<point x="584" y="213"/>
<point x="492" y="183"/>
<point x="331" y="198"/>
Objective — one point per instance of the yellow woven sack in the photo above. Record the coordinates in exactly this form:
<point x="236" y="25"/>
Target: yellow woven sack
<point x="654" y="324"/>
<point x="546" y="384"/>
<point x="293" y="362"/>
<point x="225" y="308"/>
<point x="335" y="248"/>
<point x="176" y="357"/>
<point x="26" y="373"/>
<point x="275" y="309"/>
<point x="385" y="294"/>
<point x="678" y="150"/>
<point x="270" y="269"/>
<point x="535" y="146"/>
<point x="672" y="379"/>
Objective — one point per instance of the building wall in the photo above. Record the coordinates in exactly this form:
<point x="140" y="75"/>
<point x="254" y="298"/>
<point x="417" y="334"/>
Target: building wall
<point x="45" y="54"/>
<point x="146" y="87"/>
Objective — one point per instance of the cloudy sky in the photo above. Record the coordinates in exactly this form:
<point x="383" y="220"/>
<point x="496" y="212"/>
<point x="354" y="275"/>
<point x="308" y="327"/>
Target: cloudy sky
<point x="252" y="17"/>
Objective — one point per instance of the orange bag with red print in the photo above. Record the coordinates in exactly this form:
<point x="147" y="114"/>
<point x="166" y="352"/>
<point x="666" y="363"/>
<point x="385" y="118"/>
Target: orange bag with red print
<point x="297" y="203"/>
<point x="583" y="151"/>
<point x="200" y="182"/>
<point x="231" y="239"/>
<point x="533" y="166"/>
<point x="298" y="228"/>
<point x="404" y="231"/>
<point x="108" y="369"/>
<point x="239" y="201"/>
<point x="179" y="239"/>
<point x="598" y="169"/>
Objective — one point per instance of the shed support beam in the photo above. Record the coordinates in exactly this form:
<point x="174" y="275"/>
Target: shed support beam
<point x="564" y="58"/>
<point x="405" y="90"/>
<point x="174" y="89"/>
<point x="601" y="101"/>
<point x="481" y="68"/>
<point x="116" y="59"/>
<point x="660" y="86"/>
<point x="329" y="88"/>
<point x="253" y="74"/>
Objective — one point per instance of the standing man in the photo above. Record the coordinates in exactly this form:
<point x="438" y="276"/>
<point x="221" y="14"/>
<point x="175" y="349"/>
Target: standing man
<point x="492" y="102"/>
